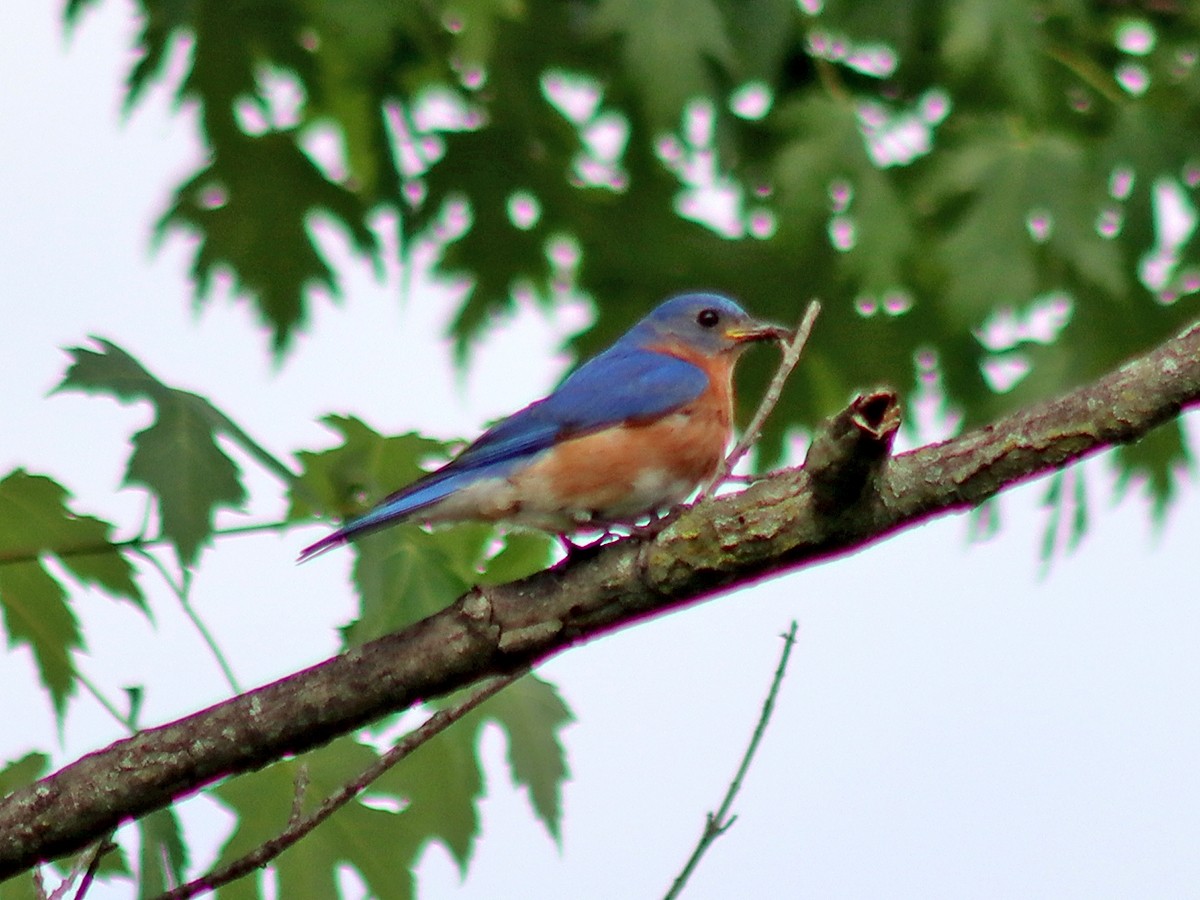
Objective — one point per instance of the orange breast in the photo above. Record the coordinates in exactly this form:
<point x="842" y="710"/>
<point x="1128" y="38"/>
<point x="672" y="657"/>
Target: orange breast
<point x="623" y="472"/>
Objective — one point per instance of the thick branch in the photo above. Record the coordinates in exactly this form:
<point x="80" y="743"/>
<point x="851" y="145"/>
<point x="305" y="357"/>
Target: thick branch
<point x="774" y="526"/>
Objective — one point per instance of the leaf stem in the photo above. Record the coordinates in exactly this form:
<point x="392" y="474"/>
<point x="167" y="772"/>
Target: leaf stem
<point x="182" y="591"/>
<point x="111" y="707"/>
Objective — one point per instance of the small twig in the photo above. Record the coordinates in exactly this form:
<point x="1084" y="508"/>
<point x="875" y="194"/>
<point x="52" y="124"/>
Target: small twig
<point x="102" y="847"/>
<point x="716" y="824"/>
<point x="298" y="797"/>
<point x="23" y="555"/>
<point x="298" y="827"/>
<point x="791" y="355"/>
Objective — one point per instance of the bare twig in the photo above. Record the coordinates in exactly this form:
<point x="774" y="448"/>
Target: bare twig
<point x="301" y="790"/>
<point x="102" y="847"/>
<point x="299" y="826"/>
<point x="719" y="822"/>
<point x="791" y="355"/>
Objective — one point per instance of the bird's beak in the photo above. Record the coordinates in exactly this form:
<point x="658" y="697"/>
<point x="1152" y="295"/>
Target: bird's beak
<point x="758" y="331"/>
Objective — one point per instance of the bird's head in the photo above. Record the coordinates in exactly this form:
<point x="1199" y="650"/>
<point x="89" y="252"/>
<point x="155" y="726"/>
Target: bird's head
<point x="707" y="324"/>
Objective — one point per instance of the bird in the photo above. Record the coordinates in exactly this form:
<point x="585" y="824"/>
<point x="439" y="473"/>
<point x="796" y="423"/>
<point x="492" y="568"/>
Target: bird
<point x="633" y="431"/>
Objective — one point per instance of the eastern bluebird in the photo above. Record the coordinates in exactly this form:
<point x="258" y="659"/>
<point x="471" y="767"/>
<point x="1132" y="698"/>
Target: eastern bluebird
<point x="631" y="431"/>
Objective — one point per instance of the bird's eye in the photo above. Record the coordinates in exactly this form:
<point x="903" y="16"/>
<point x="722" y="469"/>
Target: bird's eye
<point x="708" y="318"/>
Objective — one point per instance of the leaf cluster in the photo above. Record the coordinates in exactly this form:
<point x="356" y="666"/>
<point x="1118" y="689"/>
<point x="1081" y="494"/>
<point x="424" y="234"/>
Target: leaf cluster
<point x="190" y="462"/>
<point x="937" y="172"/>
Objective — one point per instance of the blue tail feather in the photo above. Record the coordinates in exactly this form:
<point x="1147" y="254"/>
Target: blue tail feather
<point x="417" y="496"/>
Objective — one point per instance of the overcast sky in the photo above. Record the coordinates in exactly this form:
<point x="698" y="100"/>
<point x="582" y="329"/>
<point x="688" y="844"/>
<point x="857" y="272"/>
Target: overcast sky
<point x="952" y="725"/>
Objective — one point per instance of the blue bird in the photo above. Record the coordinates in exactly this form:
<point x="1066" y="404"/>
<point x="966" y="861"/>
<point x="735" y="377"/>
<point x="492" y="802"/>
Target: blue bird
<point x="632" y="431"/>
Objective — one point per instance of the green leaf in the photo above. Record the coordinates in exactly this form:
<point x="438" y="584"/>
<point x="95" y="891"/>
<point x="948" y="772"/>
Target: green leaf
<point x="431" y="795"/>
<point x="441" y="784"/>
<point x="164" y="856"/>
<point x="36" y="613"/>
<point x="1066" y="524"/>
<point x="366" y="467"/>
<point x="1157" y="461"/>
<point x="35" y="521"/>
<point x="113" y="864"/>
<point x="523" y="553"/>
<point x="1038" y="120"/>
<point x="656" y="50"/>
<point x="251" y="208"/>
<point x="23" y="772"/>
<point x="999" y="44"/>
<point x="532" y="714"/>
<point x="177" y="458"/>
<point x="379" y="844"/>
<point x="406" y="573"/>
<point x="21" y="887"/>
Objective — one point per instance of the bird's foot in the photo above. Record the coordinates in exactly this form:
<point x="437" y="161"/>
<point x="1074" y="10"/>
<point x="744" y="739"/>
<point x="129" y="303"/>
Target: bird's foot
<point x="656" y="524"/>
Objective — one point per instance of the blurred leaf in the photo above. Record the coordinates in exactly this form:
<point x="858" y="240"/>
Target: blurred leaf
<point x="36" y="613"/>
<point x="21" y="887"/>
<point x="979" y="144"/>
<point x="164" y="856"/>
<point x="22" y="772"/>
<point x="35" y="521"/>
<point x="366" y="467"/>
<point x="441" y="785"/>
<point x="523" y="553"/>
<point x="14" y="776"/>
<point x="406" y="573"/>
<point x="1000" y="44"/>
<point x="439" y="794"/>
<point x="532" y="714"/>
<point x="177" y="458"/>
<point x="1066" y="524"/>
<point x="983" y="521"/>
<point x="1155" y="461"/>
<point x="253" y="210"/>
<point x="431" y="795"/>
<point x="655" y="50"/>
<point x="373" y="842"/>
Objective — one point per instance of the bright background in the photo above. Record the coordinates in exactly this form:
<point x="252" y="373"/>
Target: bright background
<point x="954" y="723"/>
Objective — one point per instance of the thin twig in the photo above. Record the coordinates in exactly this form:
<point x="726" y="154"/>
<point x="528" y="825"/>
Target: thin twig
<point x="10" y="557"/>
<point x="791" y="355"/>
<point x="299" y="827"/>
<point x="301" y="790"/>
<point x="102" y="847"/>
<point x="719" y="822"/>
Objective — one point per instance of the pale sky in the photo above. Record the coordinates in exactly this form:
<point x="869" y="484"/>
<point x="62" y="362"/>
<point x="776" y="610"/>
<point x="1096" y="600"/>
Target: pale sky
<point x="952" y="725"/>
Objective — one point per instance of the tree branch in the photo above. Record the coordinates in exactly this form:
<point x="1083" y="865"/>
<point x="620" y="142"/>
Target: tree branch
<point x="850" y="495"/>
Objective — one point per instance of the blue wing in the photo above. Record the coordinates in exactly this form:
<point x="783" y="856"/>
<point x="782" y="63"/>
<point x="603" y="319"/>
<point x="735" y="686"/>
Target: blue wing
<point x="624" y="383"/>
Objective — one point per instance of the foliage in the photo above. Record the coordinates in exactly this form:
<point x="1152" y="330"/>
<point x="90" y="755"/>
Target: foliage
<point x="932" y="171"/>
<point x="975" y="190"/>
<point x="402" y="575"/>
<point x="433" y="796"/>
